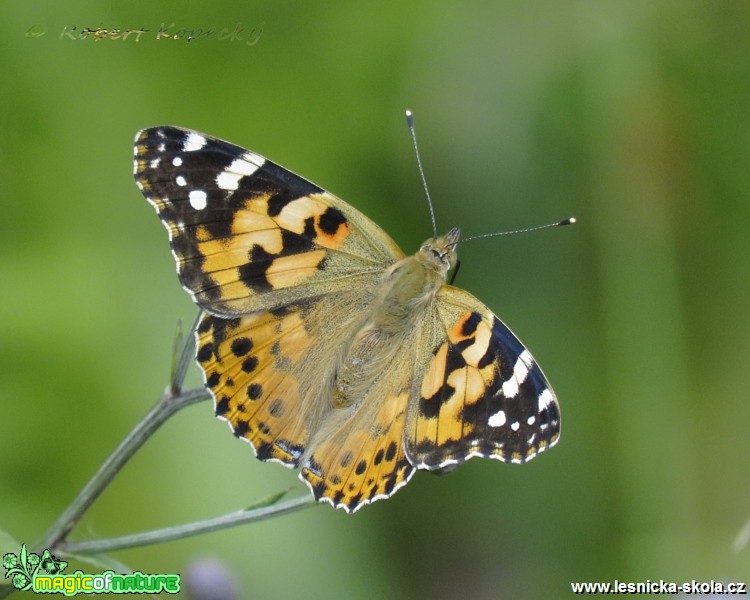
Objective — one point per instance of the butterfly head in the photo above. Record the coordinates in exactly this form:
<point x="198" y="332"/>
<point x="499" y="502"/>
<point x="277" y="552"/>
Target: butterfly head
<point x="441" y="251"/>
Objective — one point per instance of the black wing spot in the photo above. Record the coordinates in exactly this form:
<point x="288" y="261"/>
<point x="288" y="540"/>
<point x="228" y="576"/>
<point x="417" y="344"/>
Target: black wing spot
<point x="213" y="380"/>
<point x="253" y="274"/>
<point x="241" y="428"/>
<point x="470" y="324"/>
<point x="430" y="407"/>
<point x="295" y="243"/>
<point x="241" y="346"/>
<point x="254" y="391"/>
<point x="277" y="203"/>
<point x="390" y="453"/>
<point x="222" y="328"/>
<point x="205" y="352"/>
<point x="330" y="221"/>
<point x="354" y="501"/>
<point x="249" y="364"/>
<point x="222" y="406"/>
<point x="264" y="451"/>
<point x="454" y="359"/>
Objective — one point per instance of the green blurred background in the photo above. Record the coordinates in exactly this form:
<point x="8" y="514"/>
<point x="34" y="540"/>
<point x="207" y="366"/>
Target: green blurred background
<point x="634" y="116"/>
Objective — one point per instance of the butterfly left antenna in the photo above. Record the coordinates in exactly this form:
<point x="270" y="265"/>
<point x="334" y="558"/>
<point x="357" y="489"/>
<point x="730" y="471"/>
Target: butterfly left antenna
<point x="410" y="123"/>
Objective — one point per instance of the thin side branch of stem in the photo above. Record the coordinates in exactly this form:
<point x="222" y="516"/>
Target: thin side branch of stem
<point x="181" y="531"/>
<point x="154" y="418"/>
<point x="184" y="356"/>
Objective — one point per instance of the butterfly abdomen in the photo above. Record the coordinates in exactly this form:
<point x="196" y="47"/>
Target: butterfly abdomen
<point x="395" y="314"/>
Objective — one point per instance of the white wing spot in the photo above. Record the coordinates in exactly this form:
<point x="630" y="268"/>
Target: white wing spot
<point x="198" y="199"/>
<point x="531" y="420"/>
<point x="545" y="399"/>
<point x="510" y="387"/>
<point x="229" y="179"/>
<point x="154" y="163"/>
<point x="515" y="425"/>
<point x="181" y="181"/>
<point x="520" y="373"/>
<point x="194" y="142"/>
<point x="497" y="420"/>
<point x="253" y="158"/>
<point x="177" y="161"/>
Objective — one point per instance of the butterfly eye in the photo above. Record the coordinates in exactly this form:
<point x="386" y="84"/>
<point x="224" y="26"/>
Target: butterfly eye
<point x="443" y="256"/>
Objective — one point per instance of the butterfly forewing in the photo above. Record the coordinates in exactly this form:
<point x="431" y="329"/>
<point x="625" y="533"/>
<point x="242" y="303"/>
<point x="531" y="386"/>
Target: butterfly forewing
<point x="247" y="234"/>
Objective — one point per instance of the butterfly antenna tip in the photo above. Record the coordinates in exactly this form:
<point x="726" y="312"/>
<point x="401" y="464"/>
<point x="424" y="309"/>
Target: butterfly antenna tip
<point x="568" y="221"/>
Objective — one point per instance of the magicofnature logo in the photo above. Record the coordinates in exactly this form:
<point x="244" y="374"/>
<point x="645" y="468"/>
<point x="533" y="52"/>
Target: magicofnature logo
<point x="44" y="575"/>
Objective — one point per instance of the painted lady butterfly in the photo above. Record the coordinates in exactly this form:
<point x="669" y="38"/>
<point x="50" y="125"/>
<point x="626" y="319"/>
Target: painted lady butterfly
<point x="325" y="346"/>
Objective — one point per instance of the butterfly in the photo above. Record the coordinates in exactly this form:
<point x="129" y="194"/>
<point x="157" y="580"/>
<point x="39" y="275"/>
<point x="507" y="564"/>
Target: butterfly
<point x="321" y="342"/>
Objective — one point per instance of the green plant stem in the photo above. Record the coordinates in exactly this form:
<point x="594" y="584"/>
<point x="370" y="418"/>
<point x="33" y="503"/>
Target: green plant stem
<point x="183" y="355"/>
<point x="164" y="408"/>
<point x="181" y="531"/>
<point x="172" y="400"/>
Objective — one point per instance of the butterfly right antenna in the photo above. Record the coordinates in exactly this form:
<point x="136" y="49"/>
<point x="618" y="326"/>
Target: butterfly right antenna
<point x="410" y="124"/>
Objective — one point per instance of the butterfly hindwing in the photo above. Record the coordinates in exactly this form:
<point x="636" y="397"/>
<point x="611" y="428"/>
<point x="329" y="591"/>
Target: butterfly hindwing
<point x="482" y="393"/>
<point x="247" y="364"/>
<point x="358" y="453"/>
<point x="270" y="372"/>
<point x="248" y="234"/>
<point x="361" y="460"/>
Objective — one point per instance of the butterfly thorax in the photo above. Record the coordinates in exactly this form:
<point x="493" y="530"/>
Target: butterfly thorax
<point x="406" y="291"/>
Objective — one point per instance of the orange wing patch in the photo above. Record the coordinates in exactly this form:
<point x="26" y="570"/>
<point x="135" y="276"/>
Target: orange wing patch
<point x="247" y="365"/>
<point x="457" y="377"/>
<point x="365" y="461"/>
<point x="329" y="225"/>
<point x="471" y="328"/>
<point x="267" y="247"/>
